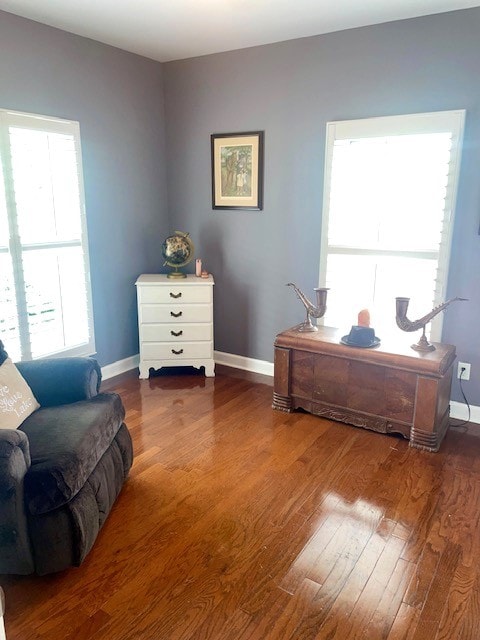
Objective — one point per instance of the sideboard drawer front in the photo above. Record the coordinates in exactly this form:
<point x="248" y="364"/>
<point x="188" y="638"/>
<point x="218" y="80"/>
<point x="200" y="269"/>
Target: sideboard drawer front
<point x="400" y="390"/>
<point x="176" y="313"/>
<point x="178" y="333"/>
<point x="302" y="364"/>
<point x="331" y="377"/>
<point x="177" y="351"/>
<point x="190" y="294"/>
<point x="362" y="387"/>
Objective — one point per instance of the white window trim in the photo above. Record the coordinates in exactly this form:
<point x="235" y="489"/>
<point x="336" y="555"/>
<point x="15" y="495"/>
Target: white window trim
<point x="54" y="125"/>
<point x="432" y="122"/>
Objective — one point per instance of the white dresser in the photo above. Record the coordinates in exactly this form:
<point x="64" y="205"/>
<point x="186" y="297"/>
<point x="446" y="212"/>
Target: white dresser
<point x="175" y="322"/>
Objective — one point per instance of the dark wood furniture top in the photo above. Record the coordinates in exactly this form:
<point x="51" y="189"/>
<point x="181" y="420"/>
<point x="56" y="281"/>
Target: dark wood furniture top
<point x="389" y="388"/>
<point x="396" y="353"/>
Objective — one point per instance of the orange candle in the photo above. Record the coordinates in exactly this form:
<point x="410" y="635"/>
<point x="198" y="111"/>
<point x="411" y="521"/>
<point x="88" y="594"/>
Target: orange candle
<point x="364" y="318"/>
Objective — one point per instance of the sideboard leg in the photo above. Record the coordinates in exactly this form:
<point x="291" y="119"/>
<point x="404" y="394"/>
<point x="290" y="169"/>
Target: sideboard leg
<point x="282" y="403"/>
<point x="432" y="412"/>
<point x="281" y="383"/>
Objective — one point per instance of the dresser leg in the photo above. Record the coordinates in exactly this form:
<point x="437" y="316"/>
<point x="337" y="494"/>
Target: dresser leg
<point x="144" y="373"/>
<point x="210" y="370"/>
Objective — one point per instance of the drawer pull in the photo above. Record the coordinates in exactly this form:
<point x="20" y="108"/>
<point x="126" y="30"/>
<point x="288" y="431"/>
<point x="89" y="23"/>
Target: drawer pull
<point x="175" y="295"/>
<point x="176" y="315"/>
<point x="177" y="353"/>
<point x="176" y="333"/>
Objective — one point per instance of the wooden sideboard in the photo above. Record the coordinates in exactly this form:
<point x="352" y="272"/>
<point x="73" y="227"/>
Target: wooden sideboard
<point x="389" y="389"/>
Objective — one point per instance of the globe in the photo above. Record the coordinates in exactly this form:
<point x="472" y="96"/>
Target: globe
<point x="177" y="251"/>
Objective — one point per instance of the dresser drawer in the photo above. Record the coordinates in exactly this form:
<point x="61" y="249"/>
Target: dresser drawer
<point x="175" y="293"/>
<point x="176" y="351"/>
<point x="176" y="313"/>
<point x="178" y="333"/>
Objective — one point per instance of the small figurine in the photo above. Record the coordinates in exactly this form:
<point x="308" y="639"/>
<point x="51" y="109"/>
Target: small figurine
<point x="405" y="324"/>
<point x="361" y="334"/>
<point x="313" y="311"/>
<point x="364" y="318"/>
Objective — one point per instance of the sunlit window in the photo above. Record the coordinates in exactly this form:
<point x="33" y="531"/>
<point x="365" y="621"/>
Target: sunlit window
<point x="45" y="300"/>
<point x="390" y="187"/>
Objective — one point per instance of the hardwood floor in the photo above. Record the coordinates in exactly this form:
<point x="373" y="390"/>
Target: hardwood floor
<point x="243" y="523"/>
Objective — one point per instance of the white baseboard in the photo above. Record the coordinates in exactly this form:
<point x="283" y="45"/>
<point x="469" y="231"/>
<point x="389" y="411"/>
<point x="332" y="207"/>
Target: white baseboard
<point x="247" y="364"/>
<point x="228" y="359"/>
<point x="458" y="410"/>
<point x="121" y="366"/>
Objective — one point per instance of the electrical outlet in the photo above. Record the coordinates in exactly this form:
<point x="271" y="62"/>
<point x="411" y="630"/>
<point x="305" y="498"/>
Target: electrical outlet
<point x="466" y="370"/>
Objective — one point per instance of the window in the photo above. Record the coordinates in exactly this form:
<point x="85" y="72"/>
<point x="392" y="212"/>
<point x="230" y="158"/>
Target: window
<point x="45" y="300"/>
<point x="390" y="186"/>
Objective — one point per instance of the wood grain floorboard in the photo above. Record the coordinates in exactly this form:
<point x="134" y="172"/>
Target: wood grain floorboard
<point x="239" y="522"/>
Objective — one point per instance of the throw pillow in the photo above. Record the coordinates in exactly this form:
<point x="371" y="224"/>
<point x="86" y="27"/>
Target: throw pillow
<point x="17" y="401"/>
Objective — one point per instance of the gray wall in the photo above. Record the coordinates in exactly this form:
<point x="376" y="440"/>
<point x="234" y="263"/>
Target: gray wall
<point x="291" y="90"/>
<point x="118" y="99"/>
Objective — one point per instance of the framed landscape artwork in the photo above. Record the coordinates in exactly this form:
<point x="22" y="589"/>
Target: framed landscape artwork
<point x="237" y="170"/>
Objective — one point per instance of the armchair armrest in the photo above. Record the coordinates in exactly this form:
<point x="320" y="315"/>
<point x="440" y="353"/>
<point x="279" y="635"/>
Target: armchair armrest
<point x="59" y="381"/>
<point x="15" y="550"/>
<point x="2" y="611"/>
<point x="10" y="439"/>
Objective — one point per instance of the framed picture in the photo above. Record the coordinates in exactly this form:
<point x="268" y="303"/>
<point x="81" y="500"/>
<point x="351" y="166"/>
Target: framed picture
<point x="237" y="170"/>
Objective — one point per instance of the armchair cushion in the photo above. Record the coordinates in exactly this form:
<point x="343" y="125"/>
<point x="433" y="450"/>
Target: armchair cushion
<point x="66" y="444"/>
<point x="17" y="401"/>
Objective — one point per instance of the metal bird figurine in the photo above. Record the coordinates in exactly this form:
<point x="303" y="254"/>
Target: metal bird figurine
<point x="408" y="325"/>
<point x="313" y="311"/>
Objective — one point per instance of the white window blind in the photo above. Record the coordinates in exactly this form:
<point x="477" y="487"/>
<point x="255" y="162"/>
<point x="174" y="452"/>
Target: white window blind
<point x="390" y="186"/>
<point x="45" y="299"/>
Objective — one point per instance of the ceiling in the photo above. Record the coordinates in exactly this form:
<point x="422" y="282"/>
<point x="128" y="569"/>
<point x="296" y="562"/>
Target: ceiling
<point x="174" y="29"/>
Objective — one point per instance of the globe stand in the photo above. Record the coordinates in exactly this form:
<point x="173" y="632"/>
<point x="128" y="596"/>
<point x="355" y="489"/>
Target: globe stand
<point x="176" y="274"/>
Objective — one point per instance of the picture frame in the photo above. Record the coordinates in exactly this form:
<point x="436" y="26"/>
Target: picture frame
<point x="237" y="170"/>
